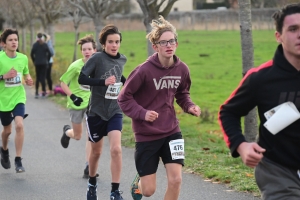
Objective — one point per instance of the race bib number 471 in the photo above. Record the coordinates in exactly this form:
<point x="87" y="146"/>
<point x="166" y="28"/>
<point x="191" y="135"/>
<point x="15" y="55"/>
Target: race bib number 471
<point x="177" y="149"/>
<point x="113" y="91"/>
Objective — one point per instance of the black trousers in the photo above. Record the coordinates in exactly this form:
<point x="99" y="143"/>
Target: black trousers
<point x="40" y="73"/>
<point x="48" y="76"/>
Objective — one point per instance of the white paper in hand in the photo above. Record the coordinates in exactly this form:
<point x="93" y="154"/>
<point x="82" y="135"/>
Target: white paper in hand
<point x="281" y="116"/>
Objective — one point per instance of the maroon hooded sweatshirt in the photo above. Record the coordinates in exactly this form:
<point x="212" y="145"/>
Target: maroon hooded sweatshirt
<point x="150" y="86"/>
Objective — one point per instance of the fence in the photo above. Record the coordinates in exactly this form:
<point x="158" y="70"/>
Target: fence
<point x="193" y="20"/>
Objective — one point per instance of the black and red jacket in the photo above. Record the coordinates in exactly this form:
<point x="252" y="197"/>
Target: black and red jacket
<point x="266" y="86"/>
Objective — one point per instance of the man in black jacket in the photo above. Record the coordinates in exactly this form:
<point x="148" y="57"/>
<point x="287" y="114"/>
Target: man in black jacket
<point x="40" y="55"/>
<point x="276" y="155"/>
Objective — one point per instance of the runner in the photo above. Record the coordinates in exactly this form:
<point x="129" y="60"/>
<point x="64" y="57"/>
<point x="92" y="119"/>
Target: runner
<point x="78" y="97"/>
<point x="103" y="72"/>
<point x="148" y="98"/>
<point x="13" y="66"/>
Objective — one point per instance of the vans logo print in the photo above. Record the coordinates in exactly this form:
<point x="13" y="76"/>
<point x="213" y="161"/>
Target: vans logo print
<point x="167" y="82"/>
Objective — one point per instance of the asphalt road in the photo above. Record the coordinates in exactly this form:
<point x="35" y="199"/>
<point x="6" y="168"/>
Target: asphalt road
<point x="54" y="173"/>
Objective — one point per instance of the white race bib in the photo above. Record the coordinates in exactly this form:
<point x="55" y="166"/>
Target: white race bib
<point x="113" y="91"/>
<point x="15" y="81"/>
<point x="177" y="149"/>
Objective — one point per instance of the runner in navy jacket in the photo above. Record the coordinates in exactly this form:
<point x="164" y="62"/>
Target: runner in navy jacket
<point x="276" y="157"/>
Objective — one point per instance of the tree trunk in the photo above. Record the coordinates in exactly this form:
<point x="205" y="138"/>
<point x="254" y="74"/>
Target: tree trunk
<point x="23" y="47"/>
<point x="98" y="27"/>
<point x="247" y="56"/>
<point x="50" y="31"/>
<point x="32" y="34"/>
<point x="75" y="44"/>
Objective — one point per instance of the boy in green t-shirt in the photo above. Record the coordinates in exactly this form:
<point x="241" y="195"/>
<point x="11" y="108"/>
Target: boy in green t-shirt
<point x="78" y="97"/>
<point x="13" y="66"/>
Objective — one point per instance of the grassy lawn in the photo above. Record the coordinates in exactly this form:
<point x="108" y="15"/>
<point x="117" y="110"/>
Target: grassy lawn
<point x="214" y="59"/>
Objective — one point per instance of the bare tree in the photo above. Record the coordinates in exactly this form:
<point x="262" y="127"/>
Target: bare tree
<point x="247" y="56"/>
<point x="98" y="11"/>
<point x="152" y="9"/>
<point x="77" y="17"/>
<point x="19" y="12"/>
<point x="49" y="11"/>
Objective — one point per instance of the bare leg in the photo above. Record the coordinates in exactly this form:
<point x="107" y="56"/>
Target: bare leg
<point x="174" y="174"/>
<point x="116" y="155"/>
<point x="147" y="185"/>
<point x="4" y="135"/>
<point x="19" y="138"/>
<point x="96" y="150"/>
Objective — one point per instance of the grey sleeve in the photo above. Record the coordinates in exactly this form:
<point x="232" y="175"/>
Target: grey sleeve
<point x="90" y="66"/>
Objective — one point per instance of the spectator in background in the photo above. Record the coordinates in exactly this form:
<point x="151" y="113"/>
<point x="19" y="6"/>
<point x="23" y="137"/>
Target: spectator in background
<point x="49" y="68"/>
<point x="40" y="55"/>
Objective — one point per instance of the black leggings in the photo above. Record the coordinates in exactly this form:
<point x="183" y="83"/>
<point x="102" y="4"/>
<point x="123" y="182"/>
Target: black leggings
<point x="48" y="76"/>
<point x="40" y="73"/>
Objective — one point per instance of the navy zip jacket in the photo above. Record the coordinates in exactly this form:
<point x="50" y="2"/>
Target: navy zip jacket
<point x="266" y="86"/>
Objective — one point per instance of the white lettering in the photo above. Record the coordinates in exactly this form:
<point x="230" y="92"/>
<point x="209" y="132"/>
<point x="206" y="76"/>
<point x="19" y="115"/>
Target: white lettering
<point x="157" y="85"/>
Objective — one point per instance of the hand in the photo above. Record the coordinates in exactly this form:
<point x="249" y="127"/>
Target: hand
<point x="110" y="80"/>
<point x="76" y="100"/>
<point x="10" y="74"/>
<point x="195" y="110"/>
<point x="29" y="81"/>
<point x="151" y="116"/>
<point x="251" y="153"/>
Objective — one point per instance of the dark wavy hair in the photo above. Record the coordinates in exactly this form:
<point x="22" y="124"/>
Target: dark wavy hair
<point x="8" y="32"/>
<point x="280" y="15"/>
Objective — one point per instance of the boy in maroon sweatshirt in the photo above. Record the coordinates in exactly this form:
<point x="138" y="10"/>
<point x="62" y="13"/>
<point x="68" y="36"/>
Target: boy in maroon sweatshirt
<point x="148" y="98"/>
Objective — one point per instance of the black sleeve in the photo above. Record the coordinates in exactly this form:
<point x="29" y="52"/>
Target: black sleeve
<point x="31" y="54"/>
<point x="85" y="80"/>
<point x="123" y="79"/>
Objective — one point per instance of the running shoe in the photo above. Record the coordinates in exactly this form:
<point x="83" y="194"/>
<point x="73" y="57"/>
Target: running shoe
<point x="5" y="162"/>
<point x="91" y="193"/>
<point x="134" y="190"/>
<point x="64" y="138"/>
<point x="19" y="166"/>
<point x="116" y="195"/>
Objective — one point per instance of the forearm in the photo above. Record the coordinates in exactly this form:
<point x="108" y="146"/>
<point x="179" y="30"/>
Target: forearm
<point x="85" y="80"/>
<point x="66" y="88"/>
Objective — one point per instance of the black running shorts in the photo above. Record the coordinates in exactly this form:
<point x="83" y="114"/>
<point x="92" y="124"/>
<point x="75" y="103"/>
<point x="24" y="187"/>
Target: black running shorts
<point x="147" y="154"/>
<point x="98" y="128"/>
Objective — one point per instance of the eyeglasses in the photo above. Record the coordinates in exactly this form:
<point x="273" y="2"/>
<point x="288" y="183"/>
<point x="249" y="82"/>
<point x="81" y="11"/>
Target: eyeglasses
<point x="164" y="43"/>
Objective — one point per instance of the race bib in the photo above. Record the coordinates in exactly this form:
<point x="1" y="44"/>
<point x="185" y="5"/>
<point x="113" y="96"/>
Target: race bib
<point x="177" y="149"/>
<point x="85" y="87"/>
<point x="15" y="81"/>
<point x="113" y="91"/>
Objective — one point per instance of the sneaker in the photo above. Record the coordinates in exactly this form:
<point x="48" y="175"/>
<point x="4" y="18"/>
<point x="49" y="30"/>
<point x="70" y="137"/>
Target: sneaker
<point x="4" y="159"/>
<point x="86" y="172"/>
<point x="91" y="193"/>
<point x="116" y="195"/>
<point x="36" y="96"/>
<point x="134" y="190"/>
<point x="64" y="138"/>
<point x="19" y="167"/>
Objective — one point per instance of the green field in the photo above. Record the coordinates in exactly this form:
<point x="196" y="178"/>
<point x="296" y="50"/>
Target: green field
<point x="214" y="59"/>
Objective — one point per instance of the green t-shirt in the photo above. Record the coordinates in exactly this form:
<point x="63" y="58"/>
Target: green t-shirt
<point x="12" y="90"/>
<point x="70" y="77"/>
